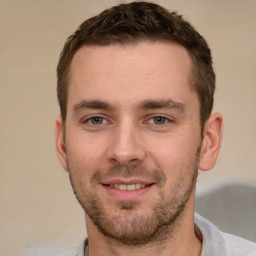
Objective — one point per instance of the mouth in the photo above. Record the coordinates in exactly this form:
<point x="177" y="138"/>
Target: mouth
<point x="129" y="187"/>
<point x="127" y="190"/>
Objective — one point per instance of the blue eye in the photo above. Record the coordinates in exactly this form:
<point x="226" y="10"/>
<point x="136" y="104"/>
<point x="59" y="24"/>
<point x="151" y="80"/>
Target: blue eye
<point x="97" y="120"/>
<point x="160" y="120"/>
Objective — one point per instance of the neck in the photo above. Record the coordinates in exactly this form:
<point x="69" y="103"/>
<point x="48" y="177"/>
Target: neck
<point x="180" y="240"/>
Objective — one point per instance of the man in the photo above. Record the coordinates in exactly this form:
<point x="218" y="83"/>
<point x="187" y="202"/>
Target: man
<point x="135" y="88"/>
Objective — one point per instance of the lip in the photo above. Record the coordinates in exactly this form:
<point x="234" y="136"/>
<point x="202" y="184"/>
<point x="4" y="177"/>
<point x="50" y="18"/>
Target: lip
<point x="127" y="181"/>
<point x="127" y="194"/>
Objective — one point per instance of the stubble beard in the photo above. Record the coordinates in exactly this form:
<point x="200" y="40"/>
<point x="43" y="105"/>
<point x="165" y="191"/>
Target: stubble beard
<point x="127" y="227"/>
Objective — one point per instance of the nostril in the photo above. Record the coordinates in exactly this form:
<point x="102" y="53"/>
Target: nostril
<point x="120" y="161"/>
<point x="134" y="160"/>
<point x="114" y="161"/>
<point x="125" y="153"/>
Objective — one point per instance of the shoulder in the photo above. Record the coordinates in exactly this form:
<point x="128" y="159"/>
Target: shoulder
<point x="237" y="246"/>
<point x="73" y="251"/>
<point x="216" y="242"/>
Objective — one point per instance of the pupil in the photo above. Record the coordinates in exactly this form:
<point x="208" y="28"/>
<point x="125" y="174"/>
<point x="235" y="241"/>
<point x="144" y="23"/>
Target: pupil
<point x="159" y="120"/>
<point x="97" y="120"/>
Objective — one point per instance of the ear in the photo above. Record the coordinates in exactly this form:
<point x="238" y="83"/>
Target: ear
<point x="211" y="142"/>
<point x="60" y="142"/>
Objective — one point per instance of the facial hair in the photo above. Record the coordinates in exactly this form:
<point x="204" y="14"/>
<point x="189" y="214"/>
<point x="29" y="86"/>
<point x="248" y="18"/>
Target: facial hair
<point x="127" y="226"/>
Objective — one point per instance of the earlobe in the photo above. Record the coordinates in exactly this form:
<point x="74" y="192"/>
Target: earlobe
<point x="60" y="142"/>
<point x="211" y="142"/>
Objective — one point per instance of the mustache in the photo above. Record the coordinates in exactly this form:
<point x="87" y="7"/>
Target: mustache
<point x="137" y="171"/>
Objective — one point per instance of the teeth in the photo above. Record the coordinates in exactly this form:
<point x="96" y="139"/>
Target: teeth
<point x="127" y="187"/>
<point x="122" y="187"/>
<point x="131" y="187"/>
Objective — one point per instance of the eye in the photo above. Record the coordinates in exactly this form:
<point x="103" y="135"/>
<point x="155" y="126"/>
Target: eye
<point x="159" y="120"/>
<point x="96" y="120"/>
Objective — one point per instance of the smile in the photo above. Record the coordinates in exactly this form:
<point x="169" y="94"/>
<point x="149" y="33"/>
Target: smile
<point x="129" y="187"/>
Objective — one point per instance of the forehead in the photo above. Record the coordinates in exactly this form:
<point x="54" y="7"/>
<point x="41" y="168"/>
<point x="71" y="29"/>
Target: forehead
<point x="143" y="70"/>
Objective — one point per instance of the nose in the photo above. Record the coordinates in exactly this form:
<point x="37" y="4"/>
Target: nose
<point x="126" y="147"/>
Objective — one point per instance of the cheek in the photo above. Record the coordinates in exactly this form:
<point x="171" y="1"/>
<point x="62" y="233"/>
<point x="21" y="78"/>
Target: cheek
<point x="173" y="153"/>
<point x="84" y="150"/>
<point x="83" y="159"/>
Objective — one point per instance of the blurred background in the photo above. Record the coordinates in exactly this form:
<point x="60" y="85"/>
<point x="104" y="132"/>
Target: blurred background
<point x="38" y="213"/>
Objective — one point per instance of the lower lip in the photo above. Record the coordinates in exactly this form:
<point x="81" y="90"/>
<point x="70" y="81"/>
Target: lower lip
<point x="127" y="194"/>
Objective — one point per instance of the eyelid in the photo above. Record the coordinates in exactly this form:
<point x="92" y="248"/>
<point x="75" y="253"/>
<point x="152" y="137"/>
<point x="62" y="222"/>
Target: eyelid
<point x="167" y="118"/>
<point x="87" y="119"/>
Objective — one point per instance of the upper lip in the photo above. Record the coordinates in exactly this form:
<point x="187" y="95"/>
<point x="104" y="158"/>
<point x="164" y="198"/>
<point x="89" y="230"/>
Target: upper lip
<point x="127" y="181"/>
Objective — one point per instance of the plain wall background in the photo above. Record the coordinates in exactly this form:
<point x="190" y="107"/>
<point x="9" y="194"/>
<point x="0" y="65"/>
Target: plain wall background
<point x="38" y="208"/>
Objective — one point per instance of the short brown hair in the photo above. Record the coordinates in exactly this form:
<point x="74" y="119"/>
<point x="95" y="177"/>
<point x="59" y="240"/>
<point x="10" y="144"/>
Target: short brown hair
<point x="135" y="22"/>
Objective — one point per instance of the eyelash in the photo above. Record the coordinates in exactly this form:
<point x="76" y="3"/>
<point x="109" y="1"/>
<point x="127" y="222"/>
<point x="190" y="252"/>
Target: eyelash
<point x="151" y="120"/>
<point x="90" y="120"/>
<point x="163" y="118"/>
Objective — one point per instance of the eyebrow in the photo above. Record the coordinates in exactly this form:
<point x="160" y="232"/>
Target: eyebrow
<point x="145" y="105"/>
<point x="160" y="104"/>
<point x="92" y="104"/>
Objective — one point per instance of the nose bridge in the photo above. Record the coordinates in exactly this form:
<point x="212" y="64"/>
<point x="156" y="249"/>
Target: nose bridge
<point x="126" y="147"/>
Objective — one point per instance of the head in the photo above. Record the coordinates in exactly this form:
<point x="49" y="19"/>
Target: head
<point x="135" y="86"/>
<point x="135" y="22"/>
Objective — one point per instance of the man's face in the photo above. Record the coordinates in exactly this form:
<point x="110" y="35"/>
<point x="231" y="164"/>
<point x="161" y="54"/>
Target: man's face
<point x="132" y="136"/>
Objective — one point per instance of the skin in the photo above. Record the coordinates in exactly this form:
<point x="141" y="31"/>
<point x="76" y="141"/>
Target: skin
<point x="132" y="107"/>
